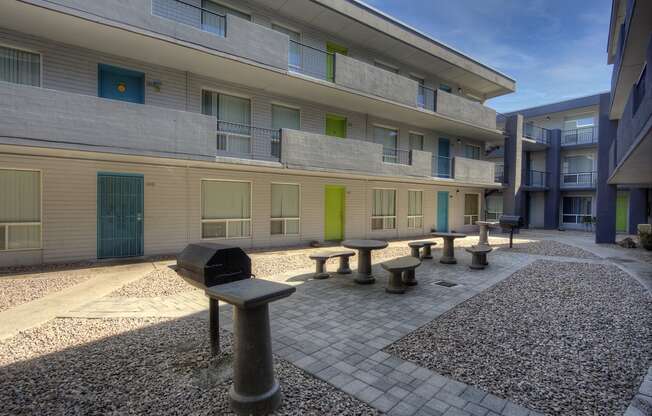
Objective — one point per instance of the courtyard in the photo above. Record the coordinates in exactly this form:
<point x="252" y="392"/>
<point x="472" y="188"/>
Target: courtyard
<point x="556" y="325"/>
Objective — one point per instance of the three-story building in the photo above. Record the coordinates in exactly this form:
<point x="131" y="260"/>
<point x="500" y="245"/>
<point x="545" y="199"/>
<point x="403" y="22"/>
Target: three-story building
<point x="134" y="128"/>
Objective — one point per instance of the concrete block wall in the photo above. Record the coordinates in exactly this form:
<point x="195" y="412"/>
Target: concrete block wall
<point x="475" y="171"/>
<point x="460" y="108"/>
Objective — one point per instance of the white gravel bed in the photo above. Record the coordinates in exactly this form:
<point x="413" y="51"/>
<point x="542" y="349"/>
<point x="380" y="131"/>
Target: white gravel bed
<point x="140" y="366"/>
<point x="163" y="281"/>
<point x="548" y="248"/>
<point x="559" y="338"/>
<point x="15" y="291"/>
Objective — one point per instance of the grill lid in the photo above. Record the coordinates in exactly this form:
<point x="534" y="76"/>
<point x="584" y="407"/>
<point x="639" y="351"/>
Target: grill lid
<point x="210" y="264"/>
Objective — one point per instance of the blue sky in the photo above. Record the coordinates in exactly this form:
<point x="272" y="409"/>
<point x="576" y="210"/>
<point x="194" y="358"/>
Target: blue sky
<point x="554" y="49"/>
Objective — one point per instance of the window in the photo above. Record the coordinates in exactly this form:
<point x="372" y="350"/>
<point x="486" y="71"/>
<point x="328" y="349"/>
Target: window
<point x="579" y="129"/>
<point x="415" y="209"/>
<point x="383" y="216"/>
<point x="212" y="19"/>
<point x="285" y="118"/>
<point x="446" y="88"/>
<point x="226" y="209"/>
<point x="386" y="67"/>
<point x="416" y="141"/>
<point x="578" y="164"/>
<point x="20" y="67"/>
<point x="233" y="121"/>
<point x="472" y="151"/>
<point x="575" y="209"/>
<point x="20" y="209"/>
<point x="294" y="58"/>
<point x="471" y="208"/>
<point x="389" y="139"/>
<point x="494" y="207"/>
<point x="285" y="209"/>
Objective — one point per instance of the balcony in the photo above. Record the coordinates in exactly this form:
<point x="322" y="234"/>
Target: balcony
<point x="537" y="134"/>
<point x="442" y="167"/>
<point x="50" y="118"/>
<point x="578" y="180"/>
<point x="580" y="137"/>
<point x="311" y="151"/>
<point x="460" y="108"/>
<point x="464" y="170"/>
<point x="536" y="180"/>
<point x="499" y="176"/>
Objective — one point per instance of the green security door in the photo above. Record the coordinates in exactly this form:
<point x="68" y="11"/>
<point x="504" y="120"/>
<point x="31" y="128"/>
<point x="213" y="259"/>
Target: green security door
<point x="119" y="215"/>
<point x="332" y="49"/>
<point x="334" y="210"/>
<point x="335" y="126"/>
<point x="622" y="208"/>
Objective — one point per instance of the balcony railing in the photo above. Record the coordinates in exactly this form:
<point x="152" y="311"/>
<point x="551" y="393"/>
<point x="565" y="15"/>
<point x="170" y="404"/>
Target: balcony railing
<point x="442" y="167"/>
<point x="536" y="179"/>
<point x="536" y="133"/>
<point x="499" y="174"/>
<point x="427" y="98"/>
<point x="578" y="180"/>
<point x="398" y="156"/>
<point x="193" y="15"/>
<point x="582" y="135"/>
<point x="311" y="61"/>
<point x="575" y="218"/>
<point x="248" y="142"/>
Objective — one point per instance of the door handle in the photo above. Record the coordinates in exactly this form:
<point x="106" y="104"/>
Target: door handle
<point x="139" y="217"/>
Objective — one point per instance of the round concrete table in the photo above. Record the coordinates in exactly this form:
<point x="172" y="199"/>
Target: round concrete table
<point x="364" y="247"/>
<point x="484" y="231"/>
<point x="448" y="256"/>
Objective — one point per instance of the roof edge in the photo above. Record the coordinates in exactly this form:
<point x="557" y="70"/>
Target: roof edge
<point x="558" y="106"/>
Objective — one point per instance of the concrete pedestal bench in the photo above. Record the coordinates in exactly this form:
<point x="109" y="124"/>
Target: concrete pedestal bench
<point x="479" y="259"/>
<point x="416" y="246"/>
<point x="255" y="390"/>
<point x="398" y="268"/>
<point x="320" y="260"/>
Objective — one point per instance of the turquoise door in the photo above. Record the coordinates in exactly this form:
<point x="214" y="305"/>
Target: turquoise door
<point x="121" y="84"/>
<point x="444" y="158"/>
<point x="442" y="211"/>
<point x="119" y="215"/>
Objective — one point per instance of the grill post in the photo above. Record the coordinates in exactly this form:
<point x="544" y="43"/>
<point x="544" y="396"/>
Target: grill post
<point x="214" y="325"/>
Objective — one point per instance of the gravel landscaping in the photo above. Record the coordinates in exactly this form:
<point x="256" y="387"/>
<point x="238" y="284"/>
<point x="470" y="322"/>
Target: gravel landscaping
<point x="559" y="338"/>
<point x="549" y="248"/>
<point x="18" y="290"/>
<point x="140" y="366"/>
<point x="163" y="281"/>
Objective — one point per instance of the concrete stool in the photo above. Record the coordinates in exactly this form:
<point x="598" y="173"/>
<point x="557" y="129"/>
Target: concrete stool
<point x="255" y="390"/>
<point x="321" y="258"/>
<point x="479" y="256"/>
<point x="397" y="268"/>
<point x="427" y="252"/>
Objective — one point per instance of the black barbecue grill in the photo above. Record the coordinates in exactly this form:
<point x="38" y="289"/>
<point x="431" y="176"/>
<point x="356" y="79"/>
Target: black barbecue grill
<point x="208" y="264"/>
<point x="511" y="223"/>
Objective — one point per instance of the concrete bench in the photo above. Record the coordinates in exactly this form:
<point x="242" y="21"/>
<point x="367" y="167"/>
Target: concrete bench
<point x="479" y="256"/>
<point x="397" y="269"/>
<point x="320" y="260"/>
<point x="416" y="246"/>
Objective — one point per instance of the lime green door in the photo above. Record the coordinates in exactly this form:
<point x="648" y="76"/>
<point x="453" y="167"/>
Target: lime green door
<point x="622" y="207"/>
<point x="333" y="48"/>
<point x="335" y="126"/>
<point x="334" y="213"/>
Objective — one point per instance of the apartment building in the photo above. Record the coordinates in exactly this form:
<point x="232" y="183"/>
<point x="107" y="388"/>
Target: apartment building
<point x="625" y="133"/>
<point x="559" y="165"/>
<point x="133" y="128"/>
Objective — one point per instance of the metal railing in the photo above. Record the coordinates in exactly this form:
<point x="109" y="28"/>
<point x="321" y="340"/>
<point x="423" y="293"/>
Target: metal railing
<point x="194" y="15"/>
<point x="311" y="61"/>
<point x="579" y="179"/>
<point x="536" y="178"/>
<point x="536" y="133"/>
<point x="398" y="156"/>
<point x="248" y="142"/>
<point x="499" y="173"/>
<point x="492" y="216"/>
<point x="442" y="167"/>
<point x="427" y="98"/>
<point x="575" y="218"/>
<point x="582" y="135"/>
